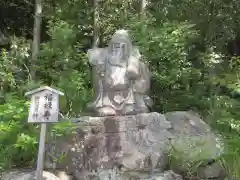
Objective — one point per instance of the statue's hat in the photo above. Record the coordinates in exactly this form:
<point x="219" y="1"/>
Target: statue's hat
<point x="121" y="35"/>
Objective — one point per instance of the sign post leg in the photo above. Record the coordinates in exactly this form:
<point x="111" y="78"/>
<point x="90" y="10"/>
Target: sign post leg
<point x="41" y="150"/>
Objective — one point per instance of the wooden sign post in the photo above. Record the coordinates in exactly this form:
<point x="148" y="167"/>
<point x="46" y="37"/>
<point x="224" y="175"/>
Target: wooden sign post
<point x="44" y="108"/>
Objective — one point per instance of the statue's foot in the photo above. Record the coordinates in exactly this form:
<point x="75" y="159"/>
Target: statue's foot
<point x="106" y="111"/>
<point x="90" y="106"/>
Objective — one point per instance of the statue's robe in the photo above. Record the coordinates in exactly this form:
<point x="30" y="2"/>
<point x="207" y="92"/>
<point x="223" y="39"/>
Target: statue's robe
<point x="119" y="85"/>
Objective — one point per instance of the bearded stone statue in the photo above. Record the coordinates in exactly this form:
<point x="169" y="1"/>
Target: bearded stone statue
<point x="121" y="80"/>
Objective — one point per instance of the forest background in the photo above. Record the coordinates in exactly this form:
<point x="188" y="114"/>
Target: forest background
<point x="192" y="48"/>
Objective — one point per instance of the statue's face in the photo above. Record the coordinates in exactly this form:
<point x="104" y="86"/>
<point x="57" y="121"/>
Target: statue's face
<point x="118" y="51"/>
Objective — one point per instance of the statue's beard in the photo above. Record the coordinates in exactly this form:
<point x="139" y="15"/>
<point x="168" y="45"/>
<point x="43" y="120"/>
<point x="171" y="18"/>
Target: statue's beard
<point x="116" y="57"/>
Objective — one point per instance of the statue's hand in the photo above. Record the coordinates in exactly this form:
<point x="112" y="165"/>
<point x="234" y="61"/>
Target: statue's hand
<point x="133" y="68"/>
<point x="96" y="56"/>
<point x="131" y="75"/>
<point x="148" y="101"/>
<point x="100" y="69"/>
<point x="140" y="86"/>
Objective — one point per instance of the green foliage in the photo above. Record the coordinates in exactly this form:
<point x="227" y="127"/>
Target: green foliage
<point x="17" y="138"/>
<point x="68" y="69"/>
<point x="183" y="42"/>
<point x="63" y="128"/>
<point x="165" y="46"/>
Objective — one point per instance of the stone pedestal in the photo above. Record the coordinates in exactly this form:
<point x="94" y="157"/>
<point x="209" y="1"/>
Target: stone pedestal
<point x="134" y="146"/>
<point x="134" y="142"/>
<point x="126" y="141"/>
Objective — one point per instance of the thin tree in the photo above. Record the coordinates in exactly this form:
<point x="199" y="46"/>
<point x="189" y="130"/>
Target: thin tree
<point x="36" y="36"/>
<point x="95" y="23"/>
<point x="143" y="4"/>
<point x="142" y="9"/>
<point x="35" y="51"/>
<point x="95" y="43"/>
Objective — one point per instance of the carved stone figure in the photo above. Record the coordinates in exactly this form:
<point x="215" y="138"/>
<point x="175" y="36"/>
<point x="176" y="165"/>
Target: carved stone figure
<point x="121" y="79"/>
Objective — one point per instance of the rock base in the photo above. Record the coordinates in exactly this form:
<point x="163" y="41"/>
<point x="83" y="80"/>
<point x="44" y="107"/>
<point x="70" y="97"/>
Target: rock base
<point x="139" y="144"/>
<point x="31" y="175"/>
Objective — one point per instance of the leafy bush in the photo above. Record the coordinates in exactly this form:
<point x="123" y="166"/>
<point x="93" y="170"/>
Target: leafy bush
<point x="183" y="43"/>
<point x="17" y="138"/>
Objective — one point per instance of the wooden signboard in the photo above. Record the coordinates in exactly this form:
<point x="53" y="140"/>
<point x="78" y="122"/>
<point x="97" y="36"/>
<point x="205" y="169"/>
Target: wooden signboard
<point x="44" y="109"/>
<point x="44" y="106"/>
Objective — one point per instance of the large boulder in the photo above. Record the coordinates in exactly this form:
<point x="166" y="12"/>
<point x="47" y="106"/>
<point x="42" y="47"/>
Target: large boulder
<point x="193" y="136"/>
<point x="130" y="142"/>
<point x="167" y="175"/>
<point x="29" y="175"/>
<point x="194" y="145"/>
<point x="136" y="143"/>
<point x="113" y="175"/>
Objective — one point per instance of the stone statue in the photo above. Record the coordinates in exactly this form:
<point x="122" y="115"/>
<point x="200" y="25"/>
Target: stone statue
<point x="121" y="79"/>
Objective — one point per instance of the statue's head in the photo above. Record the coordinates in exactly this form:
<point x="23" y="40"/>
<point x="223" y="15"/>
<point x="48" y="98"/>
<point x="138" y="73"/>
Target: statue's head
<point x="120" y="46"/>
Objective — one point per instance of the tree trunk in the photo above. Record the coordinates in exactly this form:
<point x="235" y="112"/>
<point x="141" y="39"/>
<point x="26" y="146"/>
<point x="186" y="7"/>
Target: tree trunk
<point x="142" y="8"/>
<point x="95" y="23"/>
<point x="36" y="36"/>
<point x="95" y="44"/>
<point x="124" y="12"/>
<point x="143" y="4"/>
